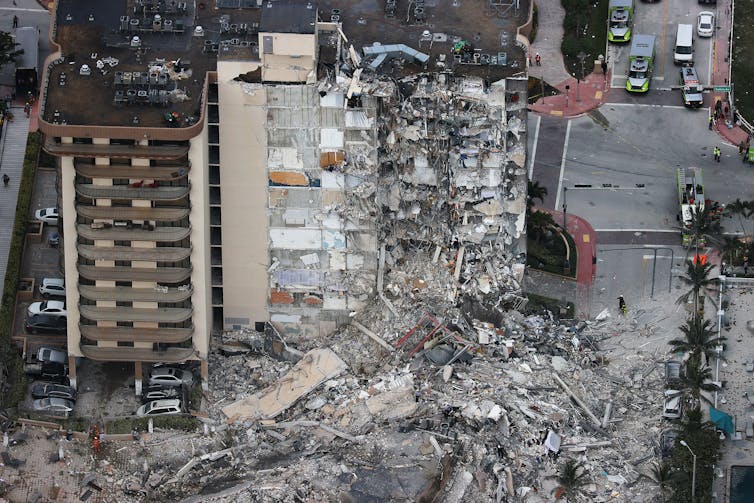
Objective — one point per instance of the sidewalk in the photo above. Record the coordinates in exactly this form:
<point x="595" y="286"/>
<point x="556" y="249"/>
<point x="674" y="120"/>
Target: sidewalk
<point x="578" y="99"/>
<point x="560" y="287"/>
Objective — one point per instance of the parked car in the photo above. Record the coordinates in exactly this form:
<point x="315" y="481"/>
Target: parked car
<point x="673" y="371"/>
<point x="45" y="354"/>
<point x="51" y="307"/>
<point x="46" y="324"/>
<point x="705" y="24"/>
<point x="50" y="390"/>
<point x="53" y="239"/>
<point x="667" y="443"/>
<point x="48" y="372"/>
<point x="47" y="215"/>
<point x="160" y="392"/>
<point x="158" y="407"/>
<point x="52" y="287"/>
<point x="53" y="406"/>
<point x="673" y="404"/>
<point x="170" y="376"/>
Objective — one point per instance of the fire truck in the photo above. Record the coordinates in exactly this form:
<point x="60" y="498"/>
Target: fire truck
<point x="691" y="201"/>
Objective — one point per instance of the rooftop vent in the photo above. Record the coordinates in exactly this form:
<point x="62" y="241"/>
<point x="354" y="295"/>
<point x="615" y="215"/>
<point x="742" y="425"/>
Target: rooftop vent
<point x="135" y="41"/>
<point x="198" y="31"/>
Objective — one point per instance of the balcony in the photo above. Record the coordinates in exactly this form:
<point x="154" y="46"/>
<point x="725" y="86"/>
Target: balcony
<point x="128" y="294"/>
<point x="162" y="173"/>
<point x="158" y="315"/>
<point x="129" y="334"/>
<point x="159" y="234"/>
<point x="126" y="354"/>
<point x="164" y="254"/>
<point x="132" y="213"/>
<point x="158" y="275"/>
<point x="116" y="151"/>
<point x="129" y="193"/>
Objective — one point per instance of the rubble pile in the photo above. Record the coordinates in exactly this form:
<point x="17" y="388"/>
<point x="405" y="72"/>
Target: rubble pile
<point x="483" y="410"/>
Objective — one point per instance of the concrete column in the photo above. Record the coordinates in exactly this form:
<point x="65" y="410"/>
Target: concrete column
<point x="72" y="370"/>
<point x="137" y="377"/>
<point x="205" y="375"/>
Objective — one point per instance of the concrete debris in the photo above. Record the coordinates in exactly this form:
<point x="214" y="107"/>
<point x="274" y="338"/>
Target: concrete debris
<point x="313" y="369"/>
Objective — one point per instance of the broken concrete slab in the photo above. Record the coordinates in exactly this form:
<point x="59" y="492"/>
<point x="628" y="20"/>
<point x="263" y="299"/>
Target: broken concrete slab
<point x="316" y="366"/>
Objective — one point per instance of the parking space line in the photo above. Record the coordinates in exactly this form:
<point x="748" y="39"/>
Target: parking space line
<point x="534" y="148"/>
<point x="562" y="166"/>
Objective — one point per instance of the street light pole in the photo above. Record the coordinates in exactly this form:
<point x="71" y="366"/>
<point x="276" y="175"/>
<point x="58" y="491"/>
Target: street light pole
<point x="565" y="207"/>
<point x="693" y="472"/>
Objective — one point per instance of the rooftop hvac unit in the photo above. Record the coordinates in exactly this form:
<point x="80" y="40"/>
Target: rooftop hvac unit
<point x="135" y="41"/>
<point x="167" y="25"/>
<point x="124" y="26"/>
<point x="134" y="24"/>
<point x="198" y="31"/>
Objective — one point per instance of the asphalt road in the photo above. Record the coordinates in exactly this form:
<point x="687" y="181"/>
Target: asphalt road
<point x="619" y="163"/>
<point x="661" y="19"/>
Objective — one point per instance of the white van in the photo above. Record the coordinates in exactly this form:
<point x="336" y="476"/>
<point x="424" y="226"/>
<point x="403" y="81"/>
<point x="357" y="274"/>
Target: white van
<point x="684" y="44"/>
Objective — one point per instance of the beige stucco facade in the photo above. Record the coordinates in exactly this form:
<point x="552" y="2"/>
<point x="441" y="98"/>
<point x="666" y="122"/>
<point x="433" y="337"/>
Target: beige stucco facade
<point x="288" y="57"/>
<point x="243" y="189"/>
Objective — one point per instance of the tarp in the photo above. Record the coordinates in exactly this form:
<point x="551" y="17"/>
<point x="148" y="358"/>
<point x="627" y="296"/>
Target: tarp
<point x="722" y="420"/>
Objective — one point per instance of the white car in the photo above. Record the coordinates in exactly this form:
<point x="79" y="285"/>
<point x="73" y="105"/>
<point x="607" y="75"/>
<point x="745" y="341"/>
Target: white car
<point x="52" y="287"/>
<point x="705" y="23"/>
<point x="168" y="376"/>
<point x="673" y="404"/>
<point x="51" y="307"/>
<point x="47" y="215"/>
<point x="158" y="407"/>
<point x="52" y="355"/>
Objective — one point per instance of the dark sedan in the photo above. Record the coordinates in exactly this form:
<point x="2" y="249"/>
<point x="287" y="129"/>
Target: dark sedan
<point x="48" y="390"/>
<point x="46" y="324"/>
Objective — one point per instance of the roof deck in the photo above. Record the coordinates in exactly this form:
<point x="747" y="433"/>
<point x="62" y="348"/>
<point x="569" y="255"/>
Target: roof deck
<point x="125" y="70"/>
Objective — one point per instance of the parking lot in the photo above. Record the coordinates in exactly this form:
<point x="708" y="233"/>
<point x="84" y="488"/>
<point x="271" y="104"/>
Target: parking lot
<point x="105" y="389"/>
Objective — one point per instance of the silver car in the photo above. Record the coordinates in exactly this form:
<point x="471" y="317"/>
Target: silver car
<point x="160" y="407"/>
<point x="169" y="376"/>
<point x="45" y="354"/>
<point x="53" y="406"/>
<point x="47" y="215"/>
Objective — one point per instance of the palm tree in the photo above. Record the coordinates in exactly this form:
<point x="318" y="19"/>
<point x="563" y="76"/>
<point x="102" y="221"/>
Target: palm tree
<point x="729" y="247"/>
<point x="741" y="208"/>
<point x="571" y="476"/>
<point x="697" y="277"/>
<point x="534" y="191"/>
<point x="538" y="223"/>
<point x="695" y="422"/>
<point x="699" y="339"/>
<point x="698" y="378"/>
<point x="704" y="223"/>
<point x="662" y="474"/>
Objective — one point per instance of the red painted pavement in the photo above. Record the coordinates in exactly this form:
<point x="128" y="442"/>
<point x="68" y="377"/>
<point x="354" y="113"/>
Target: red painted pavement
<point x="585" y="237"/>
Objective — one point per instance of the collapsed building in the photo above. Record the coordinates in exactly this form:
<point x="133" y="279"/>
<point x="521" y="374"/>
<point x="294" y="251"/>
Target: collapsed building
<point x="226" y="167"/>
<point x="327" y="210"/>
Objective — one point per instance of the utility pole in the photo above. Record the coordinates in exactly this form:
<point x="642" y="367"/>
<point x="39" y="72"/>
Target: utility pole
<point x="565" y="207"/>
<point x="568" y="88"/>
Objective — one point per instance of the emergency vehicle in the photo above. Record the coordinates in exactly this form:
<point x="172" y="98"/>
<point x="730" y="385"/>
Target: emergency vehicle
<point x="691" y="88"/>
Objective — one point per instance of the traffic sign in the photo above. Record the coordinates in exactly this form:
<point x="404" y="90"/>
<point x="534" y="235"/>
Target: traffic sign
<point x="721" y="89"/>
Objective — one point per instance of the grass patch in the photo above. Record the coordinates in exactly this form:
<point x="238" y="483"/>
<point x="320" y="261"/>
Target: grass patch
<point x="550" y="256"/>
<point x="8" y="352"/>
<point x="170" y="422"/>
<point x="585" y="30"/>
<point x="743" y="48"/>
<point x="536" y="87"/>
<point x="195" y="400"/>
<point x="534" y="24"/>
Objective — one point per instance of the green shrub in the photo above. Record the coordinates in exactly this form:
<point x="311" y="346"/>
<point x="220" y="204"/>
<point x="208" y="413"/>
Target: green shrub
<point x="585" y="30"/>
<point x="177" y="422"/>
<point x="195" y="401"/>
<point x="8" y="351"/>
<point x="534" y="24"/>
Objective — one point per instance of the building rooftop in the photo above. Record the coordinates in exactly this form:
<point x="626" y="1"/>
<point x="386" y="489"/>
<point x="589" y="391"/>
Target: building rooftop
<point x="140" y="64"/>
<point x="289" y="16"/>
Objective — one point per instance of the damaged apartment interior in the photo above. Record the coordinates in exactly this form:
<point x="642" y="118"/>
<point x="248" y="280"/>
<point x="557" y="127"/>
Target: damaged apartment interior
<point x="321" y="206"/>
